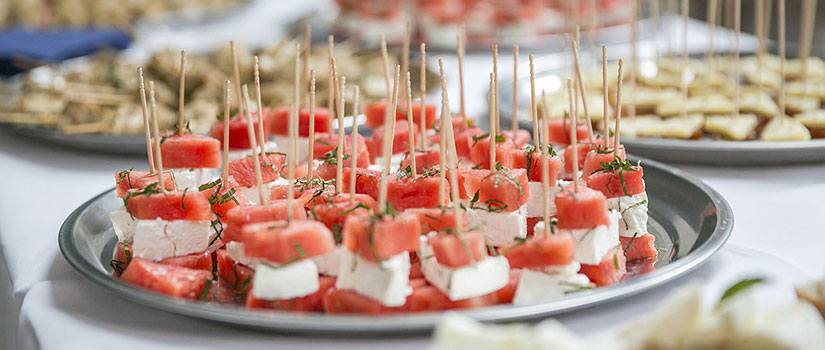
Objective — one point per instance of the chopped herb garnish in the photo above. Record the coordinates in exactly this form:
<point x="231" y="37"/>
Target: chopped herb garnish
<point x="479" y="138"/>
<point x="205" y="290"/>
<point x="616" y="261"/>
<point x="182" y="197"/>
<point x="576" y="287"/>
<point x="331" y="157"/>
<point x="405" y="172"/>
<point x="359" y="205"/>
<point x="336" y="233"/>
<point x="629" y="243"/>
<point x="740" y="286"/>
<point x="299" y="249"/>
<point x="519" y="242"/>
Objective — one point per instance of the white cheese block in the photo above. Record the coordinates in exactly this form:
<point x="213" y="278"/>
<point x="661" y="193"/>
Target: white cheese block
<point x="301" y="147"/>
<point x="594" y="243"/>
<point x="189" y="236"/>
<point x="191" y="178"/>
<point x="288" y="281"/>
<point x="570" y="269"/>
<point x="395" y="162"/>
<point x="329" y="263"/>
<point x="633" y="211"/>
<point x="486" y="276"/>
<point x="251" y="193"/>
<point x="150" y="240"/>
<point x="535" y="206"/>
<point x="123" y="223"/>
<point x="499" y="228"/>
<point x="269" y="146"/>
<point x="536" y="286"/>
<point x="387" y="281"/>
<point x="235" y="251"/>
<point x="785" y="129"/>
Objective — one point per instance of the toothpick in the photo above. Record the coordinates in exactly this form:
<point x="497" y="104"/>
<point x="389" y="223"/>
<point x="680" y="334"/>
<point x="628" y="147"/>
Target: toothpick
<point x="146" y="130"/>
<point x="685" y="9"/>
<point x="226" y="104"/>
<point x="181" y="91"/>
<point x="580" y="82"/>
<point x="616" y="134"/>
<point x="389" y="131"/>
<point x="495" y="90"/>
<point x="573" y="139"/>
<point x="339" y="156"/>
<point x="261" y="134"/>
<point x="311" y="138"/>
<point x="422" y="86"/>
<point x="305" y="71"/>
<point x="711" y="18"/>
<point x="634" y="57"/>
<point x="492" y="123"/>
<point x="737" y="23"/>
<point x="405" y="53"/>
<point x="592" y="24"/>
<point x="354" y="151"/>
<point x="454" y="172"/>
<point x="386" y="59"/>
<point x="460" y="52"/>
<point x="654" y="10"/>
<point x="605" y="102"/>
<point x="442" y="144"/>
<point x="515" y="90"/>
<point x="545" y="179"/>
<point x="292" y="126"/>
<point x="782" y="58"/>
<point x="256" y="160"/>
<point x="237" y="75"/>
<point x="331" y="53"/>
<point x="411" y="127"/>
<point x="534" y="105"/>
<point x="806" y="36"/>
<point x="158" y="155"/>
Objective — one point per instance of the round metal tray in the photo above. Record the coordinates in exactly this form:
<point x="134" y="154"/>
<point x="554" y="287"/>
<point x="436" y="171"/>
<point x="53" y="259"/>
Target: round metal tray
<point x="690" y="220"/>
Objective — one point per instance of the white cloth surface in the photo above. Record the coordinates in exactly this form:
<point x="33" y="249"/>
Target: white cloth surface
<point x="777" y="234"/>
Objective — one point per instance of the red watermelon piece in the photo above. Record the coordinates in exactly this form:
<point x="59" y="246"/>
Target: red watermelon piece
<point x="197" y="261"/>
<point x="345" y="301"/>
<point x="642" y="247"/>
<point x="243" y="170"/>
<point x="540" y="251"/>
<point x="506" y="293"/>
<point x="279" y="121"/>
<point x="594" y="159"/>
<point x="451" y="251"/>
<point x="333" y="211"/>
<point x="400" y="139"/>
<point x="558" y="131"/>
<point x="586" y="208"/>
<point x="520" y="138"/>
<point x="464" y="141"/>
<point x="280" y="242"/>
<point x="437" y="219"/>
<point x="171" y="280"/>
<point x="375" y="113"/>
<point x="173" y="205"/>
<point x="274" y="210"/>
<point x="222" y="201"/>
<point x="383" y="239"/>
<point x="238" y="132"/>
<point x="510" y="193"/>
<point x="190" y="151"/>
<point x="309" y="303"/>
<point x="618" y="183"/>
<point x="480" y="152"/>
<point x="520" y="157"/>
<point x="424" y="159"/>
<point x="237" y="275"/>
<point x="127" y="180"/>
<point x="325" y="144"/>
<point x="610" y="271"/>
<point x="366" y="180"/>
<point x="406" y="192"/>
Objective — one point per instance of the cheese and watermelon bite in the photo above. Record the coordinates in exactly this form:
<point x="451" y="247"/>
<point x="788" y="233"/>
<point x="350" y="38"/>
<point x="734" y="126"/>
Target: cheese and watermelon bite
<point x="376" y="111"/>
<point x="376" y="259"/>
<point x="480" y="151"/>
<point x="283" y="250"/>
<point x="497" y="204"/>
<point x="459" y="266"/>
<point x="640" y="247"/>
<point x="123" y="256"/>
<point x="127" y="180"/>
<point x="239" y="217"/>
<point x="366" y="180"/>
<point x="171" y="280"/>
<point x="325" y="150"/>
<point x="437" y="219"/>
<point x="530" y="159"/>
<point x="404" y="191"/>
<point x="623" y="185"/>
<point x="609" y="270"/>
<point x="243" y="171"/>
<point x="279" y="124"/>
<point x="239" y="145"/>
<point x="223" y="195"/>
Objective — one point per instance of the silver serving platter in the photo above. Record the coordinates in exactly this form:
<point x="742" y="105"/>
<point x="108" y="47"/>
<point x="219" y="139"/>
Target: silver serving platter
<point x="97" y="143"/>
<point x="690" y="220"/>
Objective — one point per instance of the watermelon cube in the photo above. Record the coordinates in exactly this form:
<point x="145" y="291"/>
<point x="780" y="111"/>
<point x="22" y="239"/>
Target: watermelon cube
<point x="437" y="219"/>
<point x="480" y="152"/>
<point x="345" y="301"/>
<point x="404" y="192"/>
<point x="540" y="251"/>
<point x="279" y="121"/>
<point x="586" y="208"/>
<point x="610" y="271"/>
<point x="325" y="144"/>
<point x="558" y="131"/>
<point x="520" y="138"/>
<point x="243" y="170"/>
<point x="642" y="247"/>
<point x="190" y="151"/>
<point x="238" y="276"/>
<point x="375" y="113"/>
<point x="280" y="242"/>
<point x="173" y="205"/>
<point x="309" y="303"/>
<point x="594" y="159"/>
<point x="618" y="182"/>
<point x="400" y="139"/>
<point x="127" y="180"/>
<point x="275" y="210"/>
<point x="452" y="251"/>
<point x="376" y="239"/>
<point x="502" y="190"/>
<point x="238" y="132"/>
<point x="531" y="161"/>
<point x="171" y="280"/>
<point x="424" y="159"/>
<point x="335" y="209"/>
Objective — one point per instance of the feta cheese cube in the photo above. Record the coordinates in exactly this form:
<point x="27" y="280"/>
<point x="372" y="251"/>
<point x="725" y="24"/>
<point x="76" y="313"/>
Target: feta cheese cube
<point x="287" y="281"/>
<point x="593" y="243"/>
<point x="251" y="193"/>
<point x="535" y="206"/>
<point x="301" y="149"/>
<point x="486" y="276"/>
<point x="123" y="223"/>
<point x="633" y="211"/>
<point x="150" y="241"/>
<point x="329" y="263"/>
<point x="269" y="146"/>
<point x="498" y="228"/>
<point x="191" y="178"/>
<point x="395" y="162"/>
<point x="235" y="251"/>
<point x="386" y="281"/>
<point x="537" y="286"/>
<point x="189" y="236"/>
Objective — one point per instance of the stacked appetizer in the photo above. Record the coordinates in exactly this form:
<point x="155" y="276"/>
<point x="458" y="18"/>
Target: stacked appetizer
<point x="428" y="214"/>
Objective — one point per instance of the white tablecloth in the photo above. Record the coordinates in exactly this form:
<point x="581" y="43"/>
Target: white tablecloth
<point x="778" y="233"/>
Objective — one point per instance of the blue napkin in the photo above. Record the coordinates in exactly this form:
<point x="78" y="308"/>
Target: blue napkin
<point x="24" y="48"/>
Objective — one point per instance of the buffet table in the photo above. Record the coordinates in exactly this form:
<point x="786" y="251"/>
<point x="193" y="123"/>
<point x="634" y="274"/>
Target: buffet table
<point x="777" y="234"/>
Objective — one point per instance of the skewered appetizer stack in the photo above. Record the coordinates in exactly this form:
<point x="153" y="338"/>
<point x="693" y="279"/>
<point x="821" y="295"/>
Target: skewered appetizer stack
<point x="302" y="217"/>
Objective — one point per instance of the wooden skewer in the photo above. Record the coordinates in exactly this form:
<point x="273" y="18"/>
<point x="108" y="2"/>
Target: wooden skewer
<point x="454" y="166"/>
<point x="386" y="59"/>
<point x="330" y="96"/>
<point x="305" y="70"/>
<point x="339" y="156"/>
<point x="261" y="134"/>
<point x="634" y="57"/>
<point x="495" y="131"/>
<point x="226" y="104"/>
<point x="237" y="75"/>
<point x="292" y="126"/>
<point x="354" y="151"/>
<point x="389" y="131"/>
<point x="534" y="105"/>
<point x="405" y="53"/>
<point x="422" y="86"/>
<point x="593" y="23"/>
<point x="711" y="18"/>
<point x="545" y="179"/>
<point x="442" y="144"/>
<point x="654" y="10"/>
<point x="158" y="155"/>
<point x="146" y="130"/>
<point x="181" y="91"/>
<point x="605" y="103"/>
<point x="782" y="59"/>
<point x="616" y="134"/>
<point x="515" y="90"/>
<point x="737" y="24"/>
<point x="256" y="160"/>
<point x="573" y="139"/>
<point x="492" y="123"/>
<point x="411" y="127"/>
<point x="759" y="22"/>
<point x="580" y="84"/>
<point x="806" y="36"/>
<point x="684" y="84"/>
<point x="460" y="52"/>
<point x="311" y="138"/>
